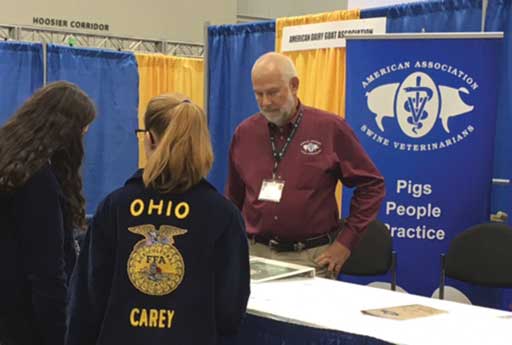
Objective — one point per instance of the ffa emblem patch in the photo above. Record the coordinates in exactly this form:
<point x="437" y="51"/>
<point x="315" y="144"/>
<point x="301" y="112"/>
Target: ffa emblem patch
<point x="155" y="266"/>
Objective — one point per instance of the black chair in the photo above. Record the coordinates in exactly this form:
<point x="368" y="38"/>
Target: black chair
<point x="480" y="255"/>
<point x="374" y="254"/>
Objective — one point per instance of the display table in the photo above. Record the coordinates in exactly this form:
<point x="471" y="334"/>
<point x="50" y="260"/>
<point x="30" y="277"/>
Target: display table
<point x="320" y="311"/>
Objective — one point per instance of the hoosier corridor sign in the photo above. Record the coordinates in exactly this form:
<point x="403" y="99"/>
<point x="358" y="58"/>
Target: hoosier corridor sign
<point x="425" y="110"/>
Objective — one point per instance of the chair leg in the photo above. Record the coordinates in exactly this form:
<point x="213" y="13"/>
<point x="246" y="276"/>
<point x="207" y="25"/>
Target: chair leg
<point x="442" y="278"/>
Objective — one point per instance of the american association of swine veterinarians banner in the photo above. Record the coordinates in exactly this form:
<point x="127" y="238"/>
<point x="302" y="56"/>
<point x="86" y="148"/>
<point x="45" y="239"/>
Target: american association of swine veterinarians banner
<point x="424" y="108"/>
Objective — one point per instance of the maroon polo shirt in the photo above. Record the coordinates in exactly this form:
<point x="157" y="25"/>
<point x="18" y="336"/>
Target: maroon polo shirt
<point x="323" y="151"/>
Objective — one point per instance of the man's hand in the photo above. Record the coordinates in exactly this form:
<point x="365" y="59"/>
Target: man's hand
<point x="334" y="256"/>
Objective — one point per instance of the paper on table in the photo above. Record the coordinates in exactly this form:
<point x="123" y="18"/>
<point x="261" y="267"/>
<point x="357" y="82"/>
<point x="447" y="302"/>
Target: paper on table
<point x="404" y="312"/>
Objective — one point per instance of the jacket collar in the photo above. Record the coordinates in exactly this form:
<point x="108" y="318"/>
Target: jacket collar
<point x="136" y="178"/>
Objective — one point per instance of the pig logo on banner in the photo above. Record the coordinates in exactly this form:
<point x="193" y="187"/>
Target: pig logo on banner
<point x="417" y="103"/>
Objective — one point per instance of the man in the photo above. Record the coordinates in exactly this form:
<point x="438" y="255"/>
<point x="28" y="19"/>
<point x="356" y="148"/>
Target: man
<point x="285" y="162"/>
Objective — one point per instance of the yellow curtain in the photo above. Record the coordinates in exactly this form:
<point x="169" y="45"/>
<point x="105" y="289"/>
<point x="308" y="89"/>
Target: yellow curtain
<point x="321" y="71"/>
<point x="160" y="74"/>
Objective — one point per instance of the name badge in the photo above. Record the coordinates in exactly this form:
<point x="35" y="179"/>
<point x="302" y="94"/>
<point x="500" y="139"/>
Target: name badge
<point x="271" y="190"/>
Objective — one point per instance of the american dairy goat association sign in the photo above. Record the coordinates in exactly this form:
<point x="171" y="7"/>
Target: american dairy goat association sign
<point x="428" y="96"/>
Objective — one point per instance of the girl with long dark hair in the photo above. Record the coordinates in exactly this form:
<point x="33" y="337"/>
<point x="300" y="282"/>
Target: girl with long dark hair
<point x="41" y="202"/>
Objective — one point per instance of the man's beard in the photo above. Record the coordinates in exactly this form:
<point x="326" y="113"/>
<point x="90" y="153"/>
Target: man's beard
<point x="284" y="112"/>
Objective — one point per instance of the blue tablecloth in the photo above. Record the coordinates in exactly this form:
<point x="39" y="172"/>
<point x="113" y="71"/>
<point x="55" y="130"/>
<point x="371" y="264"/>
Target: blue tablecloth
<point x="263" y="331"/>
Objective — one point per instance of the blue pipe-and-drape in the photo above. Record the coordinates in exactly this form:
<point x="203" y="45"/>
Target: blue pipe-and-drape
<point x="111" y="80"/>
<point x="499" y="18"/>
<point x="430" y="16"/>
<point x="21" y="73"/>
<point x="232" y="50"/>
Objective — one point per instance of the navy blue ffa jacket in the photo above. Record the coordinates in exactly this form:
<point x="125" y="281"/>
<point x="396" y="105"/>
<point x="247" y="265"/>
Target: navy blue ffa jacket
<point x="160" y="269"/>
<point x="37" y="256"/>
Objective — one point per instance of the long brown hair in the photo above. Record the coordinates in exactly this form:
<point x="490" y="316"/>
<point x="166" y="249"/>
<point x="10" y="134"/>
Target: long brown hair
<point x="48" y="127"/>
<point x="184" y="152"/>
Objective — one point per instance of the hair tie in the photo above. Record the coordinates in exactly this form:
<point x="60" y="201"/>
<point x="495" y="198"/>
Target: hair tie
<point x="186" y="101"/>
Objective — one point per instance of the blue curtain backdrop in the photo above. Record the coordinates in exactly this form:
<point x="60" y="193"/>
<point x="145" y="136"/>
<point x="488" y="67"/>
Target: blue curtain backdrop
<point x="21" y="73"/>
<point x="499" y="18"/>
<point x="431" y="16"/>
<point x="111" y="80"/>
<point x="232" y="50"/>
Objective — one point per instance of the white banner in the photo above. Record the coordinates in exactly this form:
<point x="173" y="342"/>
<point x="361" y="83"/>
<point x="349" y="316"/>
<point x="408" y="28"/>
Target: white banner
<point x="329" y="34"/>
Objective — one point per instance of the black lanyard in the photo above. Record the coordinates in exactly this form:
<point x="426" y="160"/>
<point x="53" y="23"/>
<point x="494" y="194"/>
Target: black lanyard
<point x="278" y="156"/>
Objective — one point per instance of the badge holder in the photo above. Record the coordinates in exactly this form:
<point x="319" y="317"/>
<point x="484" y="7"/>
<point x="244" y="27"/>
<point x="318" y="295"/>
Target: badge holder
<point x="271" y="190"/>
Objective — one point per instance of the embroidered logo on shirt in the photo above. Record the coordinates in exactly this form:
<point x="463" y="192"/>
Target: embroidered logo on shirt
<point x="310" y="147"/>
<point x="155" y="266"/>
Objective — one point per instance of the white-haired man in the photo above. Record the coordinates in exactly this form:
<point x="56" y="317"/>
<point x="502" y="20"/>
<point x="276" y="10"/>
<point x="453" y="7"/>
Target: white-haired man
<point x="285" y="162"/>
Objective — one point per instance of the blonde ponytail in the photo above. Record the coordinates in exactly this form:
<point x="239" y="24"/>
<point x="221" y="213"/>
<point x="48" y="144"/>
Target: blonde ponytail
<point x="184" y="153"/>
